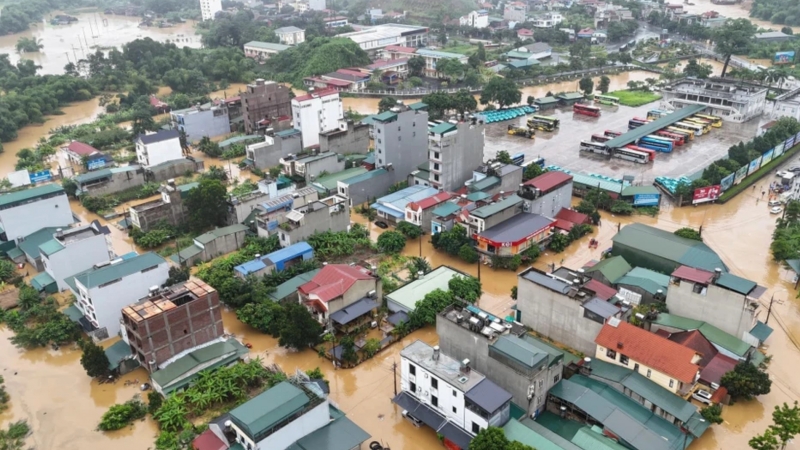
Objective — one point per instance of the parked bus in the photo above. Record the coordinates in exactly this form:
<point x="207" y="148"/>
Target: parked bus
<point x="651" y="154"/>
<point x="600" y="138"/>
<point x="607" y="100"/>
<point x="586" y="110"/>
<point x="697" y="129"/>
<point x="612" y="133"/>
<point x="542" y="125"/>
<point x="632" y="155"/>
<point x="548" y="119"/>
<point x="706" y="124"/>
<point x="518" y="159"/>
<point x="635" y="123"/>
<point x="716" y="122"/>
<point x="688" y="133"/>
<point x="655" y="144"/>
<point x="676" y="138"/>
<point x="594" y="147"/>
<point x="654" y="114"/>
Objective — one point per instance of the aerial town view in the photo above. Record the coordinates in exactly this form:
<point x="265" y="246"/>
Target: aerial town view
<point x="399" y="225"/>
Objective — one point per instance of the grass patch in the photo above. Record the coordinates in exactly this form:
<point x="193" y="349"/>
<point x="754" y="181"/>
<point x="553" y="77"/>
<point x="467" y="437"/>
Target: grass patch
<point x="757" y="175"/>
<point x="635" y="98"/>
<point x="463" y="49"/>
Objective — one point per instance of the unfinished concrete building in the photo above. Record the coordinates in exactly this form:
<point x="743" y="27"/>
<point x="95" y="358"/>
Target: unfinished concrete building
<point x="264" y="102"/>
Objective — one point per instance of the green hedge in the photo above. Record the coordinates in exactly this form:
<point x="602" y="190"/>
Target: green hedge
<point x="757" y="175"/>
<point x="635" y="98"/>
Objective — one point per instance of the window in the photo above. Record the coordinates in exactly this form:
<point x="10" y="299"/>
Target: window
<point x="412" y="369"/>
<point x="556" y="378"/>
<point x="623" y="359"/>
<point x="649" y="372"/>
<point x="434" y="401"/>
<point x="436" y="155"/>
<point x="455" y="411"/>
<point x="611" y="354"/>
<point x="414" y="134"/>
<point x="379" y="141"/>
<point x="436" y="166"/>
<point x="398" y="128"/>
<point x="412" y="387"/>
<point x="434" y="383"/>
<point x="636" y="367"/>
<point x="475" y="428"/>
<point x="671" y="383"/>
<point x="379" y="131"/>
<point x="454" y="392"/>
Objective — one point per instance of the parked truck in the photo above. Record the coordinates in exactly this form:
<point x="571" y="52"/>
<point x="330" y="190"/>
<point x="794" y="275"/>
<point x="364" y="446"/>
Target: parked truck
<point x="519" y="131"/>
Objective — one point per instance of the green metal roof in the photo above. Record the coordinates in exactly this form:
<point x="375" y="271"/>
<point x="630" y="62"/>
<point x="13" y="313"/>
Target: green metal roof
<point x="761" y="331"/>
<point x="519" y="55"/>
<point x="96" y="276"/>
<point x="411" y="293"/>
<point x="185" y="188"/>
<point x="73" y="313"/>
<point x="365" y="176"/>
<point x="186" y="254"/>
<point x="555" y="354"/>
<point x="50" y="247"/>
<point x="546" y="100"/>
<point x="443" y="128"/>
<point x="330" y="182"/>
<point x="341" y="434"/>
<point x="385" y="116"/>
<point x="612" y="268"/>
<point x="14" y="253"/>
<point x="570" y="96"/>
<point x="652" y="127"/>
<point x="646" y="279"/>
<point x="116" y="353"/>
<point x="228" y="351"/>
<point x="794" y="264"/>
<point x="515" y="431"/>
<point x="588" y="439"/>
<point x="521" y="351"/>
<point x="446" y="209"/>
<point x="594" y="182"/>
<point x="476" y="196"/>
<point x="285" y="289"/>
<point x="489" y="210"/>
<point x="270" y="408"/>
<point x="666" y="245"/>
<point x="486" y="183"/>
<point x="92" y="176"/>
<point x="32" y="241"/>
<point x="205" y="238"/>
<point x="29" y="194"/>
<point x="736" y="284"/>
<point x="418" y="106"/>
<point x="41" y="281"/>
<point x="710" y="332"/>
<point x="638" y="190"/>
<point x="681" y="323"/>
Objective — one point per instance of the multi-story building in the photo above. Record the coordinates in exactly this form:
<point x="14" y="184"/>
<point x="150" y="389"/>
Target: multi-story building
<point x="669" y="364"/>
<point x="85" y="155"/>
<point x="432" y="58"/>
<point x="291" y="35"/>
<point x="106" y="288"/>
<point x="171" y="322"/>
<point x="732" y="101"/>
<point x="327" y="214"/>
<point x="156" y="148"/>
<point x="515" y="235"/>
<point x="517" y="362"/>
<point x="202" y="121"/>
<point x="448" y="395"/>
<point x="454" y="151"/>
<point x="420" y="212"/>
<point x="392" y="207"/>
<point x="317" y="5"/>
<point x="400" y="138"/>
<point x="264" y="155"/>
<point x="475" y="19"/>
<point x="340" y="286"/>
<point x="74" y="250"/>
<point x="548" y="20"/>
<point x="515" y="11"/>
<point x="262" y="51"/>
<point x="361" y="188"/>
<point x="310" y="165"/>
<point x="491" y="214"/>
<point x="209" y="9"/>
<point x="264" y="101"/>
<point x="26" y="211"/>
<point x="315" y="113"/>
<point x="375" y="39"/>
<point x="350" y="137"/>
<point x="169" y="208"/>
<point x="547" y="194"/>
<point x="335" y="22"/>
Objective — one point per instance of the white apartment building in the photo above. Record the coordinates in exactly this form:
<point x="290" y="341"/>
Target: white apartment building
<point x="475" y="19"/>
<point x="315" y="113"/>
<point x="29" y="210"/>
<point x="316" y="5"/>
<point x="448" y="395"/>
<point x="156" y="148"/>
<point x="291" y="35"/>
<point x="74" y="250"/>
<point x="372" y="39"/>
<point x="106" y="288"/>
<point x="209" y="9"/>
<point x="549" y="20"/>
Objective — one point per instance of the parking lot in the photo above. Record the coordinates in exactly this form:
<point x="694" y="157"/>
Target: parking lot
<point x="561" y="147"/>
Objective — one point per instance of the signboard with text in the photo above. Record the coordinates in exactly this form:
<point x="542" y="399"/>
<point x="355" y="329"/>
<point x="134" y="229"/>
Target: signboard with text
<point x="754" y="165"/>
<point x="706" y="194"/>
<point x="727" y="182"/>
<point x="646" y="199"/>
<point x="44" y="175"/>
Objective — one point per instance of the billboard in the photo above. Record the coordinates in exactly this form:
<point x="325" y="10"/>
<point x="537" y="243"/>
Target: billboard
<point x="740" y="174"/>
<point x="706" y="194"/>
<point x="777" y="151"/>
<point x="727" y="182"/>
<point x="754" y="165"/>
<point x="767" y="156"/>
<point x="797" y="138"/>
<point x="44" y="175"/>
<point x="646" y="199"/>
<point x="784" y="57"/>
<point x="789" y="143"/>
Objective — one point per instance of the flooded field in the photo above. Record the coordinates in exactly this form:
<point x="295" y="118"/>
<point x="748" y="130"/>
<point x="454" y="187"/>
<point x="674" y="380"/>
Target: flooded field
<point x="738" y="11"/>
<point x="92" y="32"/>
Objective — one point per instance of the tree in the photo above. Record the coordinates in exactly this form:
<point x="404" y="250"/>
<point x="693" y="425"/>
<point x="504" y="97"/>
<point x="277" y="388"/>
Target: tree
<point x="787" y="30"/>
<point x="503" y="157"/>
<point x="300" y="330"/>
<point x="348" y="345"/>
<point x="481" y="52"/>
<point x="502" y="91"/>
<point x="625" y="57"/>
<point x="697" y="70"/>
<point x="604" y="84"/>
<point x="207" y="205"/>
<point x="689" y="233"/>
<point x="466" y="288"/>
<point x="409" y="230"/>
<point x="491" y="438"/>
<point x="765" y="441"/>
<point x="712" y="413"/>
<point x="94" y="359"/>
<point x="391" y="242"/>
<point x="416" y="64"/>
<point x="586" y="85"/>
<point x="733" y="38"/>
<point x="386" y="104"/>
<point x="532" y="171"/>
<point x="530" y="100"/>
<point x="785" y="426"/>
<point x="468" y="254"/>
<point x="559" y="242"/>
<point x="746" y="381"/>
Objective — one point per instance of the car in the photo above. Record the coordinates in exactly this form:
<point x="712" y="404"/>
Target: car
<point x="702" y="396"/>
<point x="412" y="419"/>
<point x="783" y="173"/>
<point x="776" y="210"/>
<point x="793" y="169"/>
<point x="381" y="224"/>
<point x="774" y="203"/>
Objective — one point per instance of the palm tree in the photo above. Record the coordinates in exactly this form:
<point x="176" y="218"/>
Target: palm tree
<point x="770" y="76"/>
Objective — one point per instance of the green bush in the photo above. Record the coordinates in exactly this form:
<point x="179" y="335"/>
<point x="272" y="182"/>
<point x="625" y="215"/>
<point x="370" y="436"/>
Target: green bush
<point x="622" y="208"/>
<point x="121" y="415"/>
<point x="468" y="254"/>
<point x="559" y="242"/>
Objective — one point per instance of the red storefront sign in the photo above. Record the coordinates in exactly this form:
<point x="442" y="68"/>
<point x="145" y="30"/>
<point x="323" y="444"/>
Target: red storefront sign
<point x="706" y="194"/>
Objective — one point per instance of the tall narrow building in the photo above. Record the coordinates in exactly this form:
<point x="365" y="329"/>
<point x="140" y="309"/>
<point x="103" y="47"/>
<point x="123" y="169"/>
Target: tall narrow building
<point x="263" y="102"/>
<point x="210" y="8"/>
<point x="455" y="150"/>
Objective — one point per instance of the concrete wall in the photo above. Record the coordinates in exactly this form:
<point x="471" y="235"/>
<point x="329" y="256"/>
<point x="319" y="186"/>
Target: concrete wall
<point x="727" y="310"/>
<point x="354" y="139"/>
<point x="264" y="100"/>
<point x="22" y="220"/>
<point x="118" y="182"/>
<point x="366" y="190"/>
<point x="76" y="257"/>
<point x="550" y="204"/>
<point x="403" y="142"/>
<point x="312" y="169"/>
<point x="197" y="124"/>
<point x="159" y="152"/>
<point x="357" y="291"/>
<point x="317" y="222"/>
<point x="511" y="181"/>
<point x="268" y="153"/>
<point x="176" y="169"/>
<point x="244" y="205"/>
<point x="222" y="245"/>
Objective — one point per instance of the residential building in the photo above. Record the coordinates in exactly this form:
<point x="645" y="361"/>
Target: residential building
<point x="264" y="155"/>
<point x="336" y="288"/>
<point x="27" y="249"/>
<point x="432" y="57"/>
<point x="475" y="19"/>
<point x="290" y="415"/>
<point x="444" y="217"/>
<point x="73" y="250"/>
<point x="609" y="270"/>
<point x="156" y="148"/>
<point x="264" y="101"/>
<point x="109" y="180"/>
<point x="392" y="70"/>
<point x="491" y="214"/>
<point x="26" y="211"/>
<point x="547" y="20"/>
<point x="207" y="246"/>
<point x="610" y="13"/>
<point x="271" y="213"/>
<point x="392" y="207"/>
<point x="291" y="35"/>
<point x="359" y="189"/>
<point x="448" y="395"/>
<point x="315" y="113"/>
<point x="419" y="213"/>
<point x="399" y="142"/>
<point x="201" y="121"/>
<point x="328" y="214"/>
<point x="329" y="184"/>
<point x="310" y="165"/>
<point x="568" y="218"/>
<point x="773" y="36"/>
<point x="278" y="260"/>
<point x="660" y="250"/>
<point x="375" y="14"/>
<point x="106" y="288"/>
<point x="564" y="306"/>
<point x="405" y="298"/>
<point x="732" y="101"/>
<point x="85" y="155"/>
<point x="287" y="291"/>
<point x="376" y="38"/>
<point x="515" y="11"/>
<point x="209" y="9"/>
<point x="786" y="104"/>
<point x="262" y="51"/>
<point x="524" y="34"/>
<point x="454" y="151"/>
<point x="495" y="178"/>
<point x="169" y="208"/>
<point x="525" y="367"/>
<point x="650" y="286"/>
<point x="185" y="369"/>
<point x="720" y="298"/>
<point x="515" y="235"/>
<point x="547" y="194"/>
<point x="349" y="137"/>
<point x="667" y="363"/>
<point x="169" y="323"/>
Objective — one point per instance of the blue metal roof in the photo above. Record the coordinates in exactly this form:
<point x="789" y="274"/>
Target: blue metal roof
<point x="250" y="267"/>
<point x="386" y="210"/>
<point x="289" y="252"/>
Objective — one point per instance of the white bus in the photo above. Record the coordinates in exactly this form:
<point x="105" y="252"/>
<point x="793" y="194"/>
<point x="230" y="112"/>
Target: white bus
<point x="632" y="155"/>
<point x="698" y="130"/>
<point x="594" y="147"/>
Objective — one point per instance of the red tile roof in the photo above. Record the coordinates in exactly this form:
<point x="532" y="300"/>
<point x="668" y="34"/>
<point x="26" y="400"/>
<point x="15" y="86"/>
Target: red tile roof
<point x="649" y="349"/>
<point x="548" y="180"/>
<point x="208" y="441"/>
<point x="333" y="281"/>
<point x="524" y="32"/>
<point x="431" y="201"/>
<point x="717" y="367"/>
<point x="156" y="102"/>
<point x="562" y="224"/>
<point x="692" y="274"/>
<point x="316" y="94"/>
<point x="354" y="73"/>
<point x="572" y="216"/>
<point x="331" y="82"/>
<point x="600" y="290"/>
<point x="81" y="149"/>
<point x="697" y="342"/>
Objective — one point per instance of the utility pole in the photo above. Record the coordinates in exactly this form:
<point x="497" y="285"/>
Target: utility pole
<point x="394" y="376"/>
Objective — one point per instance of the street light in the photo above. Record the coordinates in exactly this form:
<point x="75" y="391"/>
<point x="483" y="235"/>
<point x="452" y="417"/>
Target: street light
<point x="771" y="300"/>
